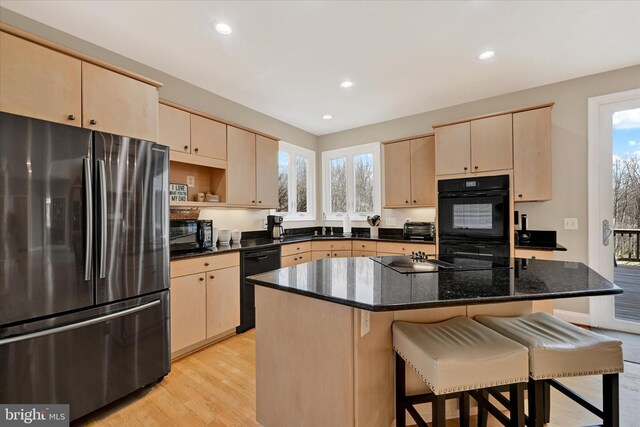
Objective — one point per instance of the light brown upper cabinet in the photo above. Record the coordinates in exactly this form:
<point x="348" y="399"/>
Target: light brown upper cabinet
<point x="118" y="104"/>
<point x="414" y="185"/>
<point x="241" y="167"/>
<point x="266" y="172"/>
<point x="39" y="82"/>
<point x="481" y="145"/>
<point x="174" y="128"/>
<point x="532" y="155"/>
<point x="491" y="144"/>
<point x="453" y="149"/>
<point x="423" y="171"/>
<point x="397" y="174"/>
<point x="208" y="138"/>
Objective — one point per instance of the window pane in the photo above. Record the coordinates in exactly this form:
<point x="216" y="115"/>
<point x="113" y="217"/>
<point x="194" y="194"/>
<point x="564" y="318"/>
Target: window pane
<point x="339" y="185"/>
<point x="363" y="182"/>
<point x="283" y="181"/>
<point x="302" y="167"/>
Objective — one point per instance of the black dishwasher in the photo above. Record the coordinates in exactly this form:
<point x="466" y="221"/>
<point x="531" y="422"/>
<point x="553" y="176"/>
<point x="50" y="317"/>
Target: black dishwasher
<point x="254" y="262"/>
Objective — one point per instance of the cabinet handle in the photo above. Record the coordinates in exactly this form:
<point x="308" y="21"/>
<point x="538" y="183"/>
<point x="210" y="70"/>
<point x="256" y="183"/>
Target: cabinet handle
<point x="201" y="279"/>
<point x="71" y="117"/>
<point x="519" y="195"/>
<point x="476" y="167"/>
<point x="465" y="168"/>
<point x="93" y="122"/>
<point x="195" y="149"/>
<point x="206" y="264"/>
<point x="212" y="277"/>
<point x="186" y="147"/>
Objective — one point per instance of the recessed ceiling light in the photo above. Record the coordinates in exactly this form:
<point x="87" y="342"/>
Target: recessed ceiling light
<point x="486" y="55"/>
<point x="327" y="117"/>
<point x="346" y="84"/>
<point x="223" y="28"/>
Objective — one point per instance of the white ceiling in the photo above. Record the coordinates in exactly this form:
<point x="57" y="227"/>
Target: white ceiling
<point x="287" y="58"/>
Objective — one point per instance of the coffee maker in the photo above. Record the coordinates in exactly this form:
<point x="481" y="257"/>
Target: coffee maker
<point x="274" y="226"/>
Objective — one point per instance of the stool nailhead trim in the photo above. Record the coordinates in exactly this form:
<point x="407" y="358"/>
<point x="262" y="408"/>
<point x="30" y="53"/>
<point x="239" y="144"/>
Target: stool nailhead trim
<point x="577" y="373"/>
<point x="460" y="388"/>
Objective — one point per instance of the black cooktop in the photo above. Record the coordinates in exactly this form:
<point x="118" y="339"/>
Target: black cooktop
<point x="413" y="264"/>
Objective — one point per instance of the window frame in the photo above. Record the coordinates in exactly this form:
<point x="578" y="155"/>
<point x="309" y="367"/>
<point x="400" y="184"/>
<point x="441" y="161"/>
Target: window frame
<point x="294" y="151"/>
<point x="350" y="153"/>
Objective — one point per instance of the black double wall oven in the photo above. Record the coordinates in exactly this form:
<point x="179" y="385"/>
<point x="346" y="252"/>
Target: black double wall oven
<point x="473" y="216"/>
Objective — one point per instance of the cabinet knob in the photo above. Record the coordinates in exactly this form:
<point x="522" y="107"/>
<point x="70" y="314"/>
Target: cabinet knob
<point x="259" y="201"/>
<point x="533" y="257"/>
<point x="465" y="168"/>
<point x="93" y="122"/>
<point x="253" y="201"/>
<point x="519" y="195"/>
<point x="206" y="264"/>
<point x="476" y="167"/>
<point x="363" y="246"/>
<point x="71" y="117"/>
<point x="415" y="201"/>
<point x="186" y="147"/>
<point x="328" y="254"/>
<point x="295" y="259"/>
<point x="195" y="149"/>
<point x="297" y="249"/>
<point x="212" y="277"/>
<point x="201" y="279"/>
<point x="406" y="201"/>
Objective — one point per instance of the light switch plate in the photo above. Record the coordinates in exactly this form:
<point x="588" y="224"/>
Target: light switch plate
<point x="571" y="223"/>
<point x="191" y="181"/>
<point x="390" y="221"/>
<point x="365" y="322"/>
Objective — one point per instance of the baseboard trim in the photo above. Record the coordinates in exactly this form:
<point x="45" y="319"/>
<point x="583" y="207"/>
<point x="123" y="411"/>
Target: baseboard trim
<point x="573" y="317"/>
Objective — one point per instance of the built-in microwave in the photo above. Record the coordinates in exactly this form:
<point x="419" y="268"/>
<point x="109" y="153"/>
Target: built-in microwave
<point x="190" y="235"/>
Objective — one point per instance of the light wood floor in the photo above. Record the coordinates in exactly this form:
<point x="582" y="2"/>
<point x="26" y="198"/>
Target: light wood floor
<point x="216" y="387"/>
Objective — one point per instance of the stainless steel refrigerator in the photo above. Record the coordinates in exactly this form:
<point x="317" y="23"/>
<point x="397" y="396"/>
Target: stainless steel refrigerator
<point x="84" y="264"/>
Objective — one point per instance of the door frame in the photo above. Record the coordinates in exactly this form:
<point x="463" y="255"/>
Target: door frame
<point x="601" y="308"/>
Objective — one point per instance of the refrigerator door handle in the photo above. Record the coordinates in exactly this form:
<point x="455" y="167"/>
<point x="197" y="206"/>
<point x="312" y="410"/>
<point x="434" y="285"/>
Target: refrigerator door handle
<point x="79" y="324"/>
<point x="88" y="258"/>
<point x="103" y="219"/>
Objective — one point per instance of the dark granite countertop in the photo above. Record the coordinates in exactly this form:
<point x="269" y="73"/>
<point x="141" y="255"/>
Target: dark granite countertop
<point x="262" y="243"/>
<point x="556" y="247"/>
<point x="364" y="283"/>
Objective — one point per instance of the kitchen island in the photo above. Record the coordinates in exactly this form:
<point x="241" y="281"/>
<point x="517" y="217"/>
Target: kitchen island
<point x="323" y="328"/>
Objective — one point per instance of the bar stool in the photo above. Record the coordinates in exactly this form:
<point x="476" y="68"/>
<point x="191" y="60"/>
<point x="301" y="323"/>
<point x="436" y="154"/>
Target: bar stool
<point x="559" y="349"/>
<point x="458" y="358"/>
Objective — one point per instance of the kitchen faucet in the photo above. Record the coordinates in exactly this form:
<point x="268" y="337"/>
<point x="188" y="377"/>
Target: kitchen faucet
<point x="324" y="218"/>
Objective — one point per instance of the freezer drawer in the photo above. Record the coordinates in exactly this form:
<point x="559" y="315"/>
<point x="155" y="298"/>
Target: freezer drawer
<point x="88" y="359"/>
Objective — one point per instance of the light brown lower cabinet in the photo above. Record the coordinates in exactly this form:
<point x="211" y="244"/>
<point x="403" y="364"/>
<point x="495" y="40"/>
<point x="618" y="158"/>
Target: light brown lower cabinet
<point x="223" y="300"/>
<point x="389" y="248"/>
<point x="188" y="311"/>
<point x="330" y="254"/>
<point x="534" y="254"/>
<point x="295" y="259"/>
<point x="205" y="301"/>
<point x="365" y="254"/>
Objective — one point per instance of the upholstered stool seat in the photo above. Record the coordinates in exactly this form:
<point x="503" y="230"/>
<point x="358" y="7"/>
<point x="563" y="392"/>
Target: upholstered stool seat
<point x="458" y="355"/>
<point x="559" y="349"/>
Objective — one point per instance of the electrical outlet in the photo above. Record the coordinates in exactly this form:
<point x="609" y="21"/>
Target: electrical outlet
<point x="365" y="323"/>
<point x="390" y="221"/>
<point x="262" y="223"/>
<point x="191" y="181"/>
<point x="407" y="220"/>
<point x="571" y="223"/>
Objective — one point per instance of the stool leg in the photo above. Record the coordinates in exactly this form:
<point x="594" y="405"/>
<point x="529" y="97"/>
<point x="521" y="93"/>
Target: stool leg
<point x="439" y="418"/>
<point x="483" y="413"/>
<point x="610" y="398"/>
<point x="547" y="402"/>
<point x="536" y="403"/>
<point x="516" y="404"/>
<point x="464" y="409"/>
<point x="401" y="420"/>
